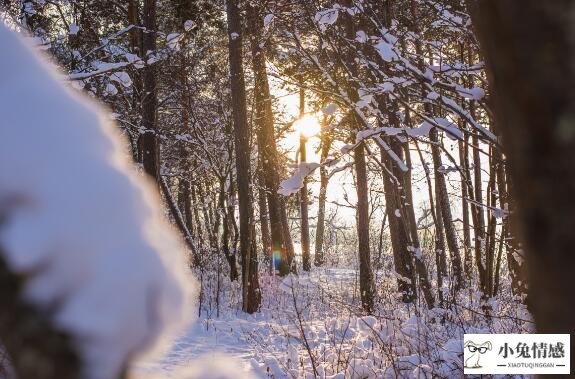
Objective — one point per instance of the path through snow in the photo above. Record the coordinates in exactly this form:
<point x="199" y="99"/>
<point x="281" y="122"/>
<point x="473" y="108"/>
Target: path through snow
<point x="260" y="342"/>
<point x="208" y="339"/>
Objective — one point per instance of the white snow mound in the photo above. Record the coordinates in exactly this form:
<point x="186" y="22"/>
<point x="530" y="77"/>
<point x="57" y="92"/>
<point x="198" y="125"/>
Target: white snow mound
<point x="78" y="222"/>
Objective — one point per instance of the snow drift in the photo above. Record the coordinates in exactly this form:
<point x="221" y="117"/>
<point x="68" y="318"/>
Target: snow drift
<point x="79" y="222"/>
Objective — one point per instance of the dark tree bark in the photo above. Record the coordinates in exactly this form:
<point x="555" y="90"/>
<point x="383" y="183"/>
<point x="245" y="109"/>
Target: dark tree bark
<point x="490" y="259"/>
<point x="280" y="238"/>
<point x="440" y="257"/>
<point x="435" y="209"/>
<point x="479" y="220"/>
<point x="305" y="243"/>
<point x="442" y="199"/>
<point x="464" y="159"/>
<point x="441" y="196"/>
<point x="179" y="219"/>
<point x="402" y="227"/>
<point x="326" y="141"/>
<point x="532" y="77"/>
<point x="392" y="184"/>
<point x="136" y="75"/>
<point x="513" y="249"/>
<point x="289" y="266"/>
<point x="229" y="238"/>
<point x="399" y="234"/>
<point x="196" y="215"/>
<point x="149" y="144"/>
<point x="415" y="247"/>
<point x="223" y="215"/>
<point x="185" y="203"/>
<point x="466" y="189"/>
<point x="251" y="292"/>
<point x="399" y="207"/>
<point x="265" y="222"/>
<point x="226" y="246"/>
<point x="366" y="284"/>
<point x="207" y="218"/>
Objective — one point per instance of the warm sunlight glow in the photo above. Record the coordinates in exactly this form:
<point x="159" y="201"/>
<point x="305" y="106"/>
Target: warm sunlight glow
<point x="308" y="126"/>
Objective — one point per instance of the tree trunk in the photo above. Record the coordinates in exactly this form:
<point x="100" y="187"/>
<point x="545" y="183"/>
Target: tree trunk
<point x="490" y="231"/>
<point x="423" y="276"/>
<point x="479" y="219"/>
<point x="208" y="222"/>
<point x="185" y="203"/>
<point x="149" y="145"/>
<point x="440" y="257"/>
<point x="136" y="75"/>
<point x="196" y="216"/>
<point x="179" y="219"/>
<point x="305" y="243"/>
<point x="226" y="241"/>
<point x="366" y="284"/>
<point x="230" y="240"/>
<point x="326" y="141"/>
<point x="250" y="286"/>
<point x="442" y="199"/>
<point x="441" y="196"/>
<point x="265" y="222"/>
<point x="282" y="247"/>
<point x="222" y="216"/>
<point x="464" y="163"/>
<point x="514" y="252"/>
<point x="402" y="259"/>
<point x="289" y="265"/>
<point x="532" y="77"/>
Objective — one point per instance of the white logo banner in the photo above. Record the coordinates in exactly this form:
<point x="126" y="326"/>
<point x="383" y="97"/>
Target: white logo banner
<point x="516" y="354"/>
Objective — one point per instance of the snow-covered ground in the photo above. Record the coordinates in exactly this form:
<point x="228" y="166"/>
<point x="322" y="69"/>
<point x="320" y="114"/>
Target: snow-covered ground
<point x="208" y="339"/>
<point x="317" y="315"/>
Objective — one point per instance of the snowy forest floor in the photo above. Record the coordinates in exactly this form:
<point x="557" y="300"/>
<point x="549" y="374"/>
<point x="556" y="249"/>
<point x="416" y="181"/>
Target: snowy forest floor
<point x="313" y="323"/>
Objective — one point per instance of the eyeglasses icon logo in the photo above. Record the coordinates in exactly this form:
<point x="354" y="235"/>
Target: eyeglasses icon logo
<point x="476" y="350"/>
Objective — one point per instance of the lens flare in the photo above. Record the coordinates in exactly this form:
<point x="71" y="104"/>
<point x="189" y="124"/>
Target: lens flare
<point x="276" y="260"/>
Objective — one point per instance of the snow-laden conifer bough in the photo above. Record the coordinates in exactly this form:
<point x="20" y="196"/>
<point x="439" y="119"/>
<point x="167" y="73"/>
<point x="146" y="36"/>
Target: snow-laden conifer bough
<point x="79" y="228"/>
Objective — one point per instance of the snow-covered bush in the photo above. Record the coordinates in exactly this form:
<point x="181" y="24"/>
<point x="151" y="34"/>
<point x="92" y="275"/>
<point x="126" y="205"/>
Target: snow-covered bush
<point x="312" y="325"/>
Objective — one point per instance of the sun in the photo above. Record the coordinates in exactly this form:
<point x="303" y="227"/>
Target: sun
<point x="308" y="126"/>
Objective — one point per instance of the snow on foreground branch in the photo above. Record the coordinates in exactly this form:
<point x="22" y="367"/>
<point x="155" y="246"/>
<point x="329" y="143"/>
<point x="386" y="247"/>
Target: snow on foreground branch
<point x="295" y="183"/>
<point x="86" y="233"/>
